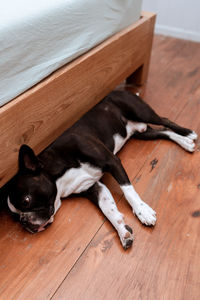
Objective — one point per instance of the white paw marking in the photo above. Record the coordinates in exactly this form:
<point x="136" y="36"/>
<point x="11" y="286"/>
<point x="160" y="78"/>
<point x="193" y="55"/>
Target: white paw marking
<point x="142" y="210"/>
<point x="193" y="136"/>
<point x="109" y="208"/>
<point x="184" y="141"/>
<point x="187" y="144"/>
<point x="145" y="214"/>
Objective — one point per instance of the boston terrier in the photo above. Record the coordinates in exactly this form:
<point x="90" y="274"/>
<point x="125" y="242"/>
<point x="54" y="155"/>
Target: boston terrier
<point x="76" y="161"/>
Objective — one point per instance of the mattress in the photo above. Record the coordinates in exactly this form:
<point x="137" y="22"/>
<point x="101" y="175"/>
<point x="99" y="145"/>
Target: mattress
<point x="39" y="36"/>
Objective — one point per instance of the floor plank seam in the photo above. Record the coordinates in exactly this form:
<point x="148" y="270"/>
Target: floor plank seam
<point x="82" y="253"/>
<point x="105" y="220"/>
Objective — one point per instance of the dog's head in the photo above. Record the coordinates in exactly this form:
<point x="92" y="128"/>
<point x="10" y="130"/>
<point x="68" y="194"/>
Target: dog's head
<point x="32" y="192"/>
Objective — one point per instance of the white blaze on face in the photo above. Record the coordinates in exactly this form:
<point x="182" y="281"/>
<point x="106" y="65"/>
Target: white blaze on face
<point x="12" y="208"/>
<point x="19" y="212"/>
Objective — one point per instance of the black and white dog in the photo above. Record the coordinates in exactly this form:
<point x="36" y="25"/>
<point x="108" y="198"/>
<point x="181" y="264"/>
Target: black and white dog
<point x="76" y="161"/>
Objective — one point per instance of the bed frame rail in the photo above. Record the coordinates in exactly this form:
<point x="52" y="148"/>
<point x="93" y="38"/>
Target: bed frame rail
<point x="38" y="116"/>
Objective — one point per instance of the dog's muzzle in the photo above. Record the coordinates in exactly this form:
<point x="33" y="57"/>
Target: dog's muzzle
<point x="32" y="224"/>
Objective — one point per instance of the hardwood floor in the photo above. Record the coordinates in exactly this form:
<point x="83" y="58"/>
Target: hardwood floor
<point x="80" y="256"/>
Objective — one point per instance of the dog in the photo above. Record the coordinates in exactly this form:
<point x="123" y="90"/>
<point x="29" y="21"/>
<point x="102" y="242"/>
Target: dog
<point x="76" y="161"/>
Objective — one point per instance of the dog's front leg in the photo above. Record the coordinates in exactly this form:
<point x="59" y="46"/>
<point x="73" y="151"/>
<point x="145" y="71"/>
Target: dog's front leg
<point x="112" y="164"/>
<point x="142" y="210"/>
<point x="101" y="196"/>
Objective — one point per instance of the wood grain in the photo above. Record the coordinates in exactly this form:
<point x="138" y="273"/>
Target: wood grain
<point x="49" y="256"/>
<point x="139" y="77"/>
<point x="41" y="114"/>
<point x="164" y="262"/>
<point x="80" y="256"/>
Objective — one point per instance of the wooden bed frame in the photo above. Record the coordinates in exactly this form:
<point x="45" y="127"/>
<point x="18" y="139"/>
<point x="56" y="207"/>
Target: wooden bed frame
<point x="41" y="114"/>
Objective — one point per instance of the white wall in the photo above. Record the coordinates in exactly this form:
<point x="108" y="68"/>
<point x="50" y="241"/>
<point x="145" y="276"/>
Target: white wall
<point x="178" y="18"/>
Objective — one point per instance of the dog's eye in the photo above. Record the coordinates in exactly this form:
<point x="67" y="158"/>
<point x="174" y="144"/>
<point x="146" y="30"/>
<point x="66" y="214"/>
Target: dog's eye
<point x="26" y="201"/>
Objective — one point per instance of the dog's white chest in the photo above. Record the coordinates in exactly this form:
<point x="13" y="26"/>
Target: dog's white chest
<point x="77" y="180"/>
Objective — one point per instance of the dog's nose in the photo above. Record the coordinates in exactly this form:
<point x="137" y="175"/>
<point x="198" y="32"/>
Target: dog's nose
<point x="28" y="225"/>
<point x="23" y="220"/>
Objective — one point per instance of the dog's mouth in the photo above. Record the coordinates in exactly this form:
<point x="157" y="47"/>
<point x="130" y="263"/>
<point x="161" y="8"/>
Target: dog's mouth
<point x="32" y="228"/>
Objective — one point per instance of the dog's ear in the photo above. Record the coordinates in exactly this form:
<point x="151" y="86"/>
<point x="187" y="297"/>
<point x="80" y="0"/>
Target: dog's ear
<point x="27" y="159"/>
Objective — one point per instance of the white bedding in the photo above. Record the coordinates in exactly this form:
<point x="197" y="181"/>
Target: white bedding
<point x="39" y="36"/>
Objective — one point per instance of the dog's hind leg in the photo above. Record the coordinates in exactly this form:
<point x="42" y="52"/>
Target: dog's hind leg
<point x="178" y="129"/>
<point x="135" y="109"/>
<point x="151" y="134"/>
<point x="101" y="196"/>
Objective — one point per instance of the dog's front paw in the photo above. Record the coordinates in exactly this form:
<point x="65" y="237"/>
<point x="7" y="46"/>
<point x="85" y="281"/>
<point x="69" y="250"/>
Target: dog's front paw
<point x="145" y="214"/>
<point x="127" y="237"/>
<point x="193" y="136"/>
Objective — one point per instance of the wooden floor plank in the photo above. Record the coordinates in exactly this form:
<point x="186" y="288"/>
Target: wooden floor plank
<point x="164" y="262"/>
<point x="49" y="256"/>
<point x="85" y="280"/>
<point x="35" y="266"/>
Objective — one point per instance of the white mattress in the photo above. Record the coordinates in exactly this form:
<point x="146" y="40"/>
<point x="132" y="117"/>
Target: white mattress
<point x="39" y="36"/>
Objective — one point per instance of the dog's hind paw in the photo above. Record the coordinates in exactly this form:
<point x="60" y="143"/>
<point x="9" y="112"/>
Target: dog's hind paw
<point x="193" y="136"/>
<point x="187" y="143"/>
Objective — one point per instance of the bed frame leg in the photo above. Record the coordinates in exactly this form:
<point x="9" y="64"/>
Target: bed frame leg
<point x="139" y="77"/>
